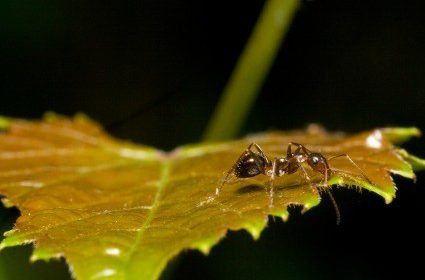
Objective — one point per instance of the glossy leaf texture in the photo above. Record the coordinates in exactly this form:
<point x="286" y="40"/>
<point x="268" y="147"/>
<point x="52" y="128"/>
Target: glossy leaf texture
<point x="116" y="210"/>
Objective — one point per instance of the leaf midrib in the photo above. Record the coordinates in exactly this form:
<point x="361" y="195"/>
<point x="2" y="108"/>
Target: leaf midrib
<point x="165" y="172"/>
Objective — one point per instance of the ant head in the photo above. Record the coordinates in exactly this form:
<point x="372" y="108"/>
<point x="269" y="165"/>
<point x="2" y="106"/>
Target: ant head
<point x="317" y="162"/>
<point x="250" y="165"/>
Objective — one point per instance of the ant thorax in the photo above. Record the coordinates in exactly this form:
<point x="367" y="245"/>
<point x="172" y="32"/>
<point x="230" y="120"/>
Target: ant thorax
<point x="300" y="157"/>
<point x="281" y="166"/>
<point x="272" y="171"/>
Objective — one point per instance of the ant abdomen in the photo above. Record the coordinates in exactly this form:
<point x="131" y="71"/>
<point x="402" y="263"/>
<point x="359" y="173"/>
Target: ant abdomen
<point x="249" y="165"/>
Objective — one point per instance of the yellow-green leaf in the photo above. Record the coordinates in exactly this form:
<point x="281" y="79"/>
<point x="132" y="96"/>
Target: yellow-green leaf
<point x="116" y="210"/>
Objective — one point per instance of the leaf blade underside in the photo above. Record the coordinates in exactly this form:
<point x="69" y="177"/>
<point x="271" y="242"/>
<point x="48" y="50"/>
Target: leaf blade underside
<point x="116" y="210"/>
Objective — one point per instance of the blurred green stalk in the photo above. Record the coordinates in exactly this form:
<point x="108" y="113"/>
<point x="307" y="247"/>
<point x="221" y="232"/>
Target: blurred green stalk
<point x="251" y="69"/>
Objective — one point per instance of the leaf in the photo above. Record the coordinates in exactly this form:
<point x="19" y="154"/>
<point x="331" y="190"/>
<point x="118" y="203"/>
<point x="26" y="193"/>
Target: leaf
<point x="117" y="210"/>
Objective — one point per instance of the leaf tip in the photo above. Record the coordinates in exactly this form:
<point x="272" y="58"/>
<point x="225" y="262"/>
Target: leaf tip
<point x="43" y="254"/>
<point x="311" y="201"/>
<point x="204" y="248"/>
<point x="2" y="246"/>
<point x="417" y="163"/>
<point x="256" y="228"/>
<point x="82" y="117"/>
<point x="398" y="135"/>
<point x="50" y="116"/>
<point x="9" y="233"/>
<point x="9" y="241"/>
<point x="283" y="214"/>
<point x="306" y="207"/>
<point x="206" y="244"/>
<point x="4" y="123"/>
<point x="388" y="195"/>
<point x="6" y="202"/>
<point x="12" y="240"/>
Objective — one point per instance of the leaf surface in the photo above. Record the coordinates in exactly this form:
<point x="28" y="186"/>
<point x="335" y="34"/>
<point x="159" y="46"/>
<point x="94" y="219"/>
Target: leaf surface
<point x="116" y="210"/>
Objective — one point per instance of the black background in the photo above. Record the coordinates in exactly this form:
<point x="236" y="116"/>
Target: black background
<point x="152" y="71"/>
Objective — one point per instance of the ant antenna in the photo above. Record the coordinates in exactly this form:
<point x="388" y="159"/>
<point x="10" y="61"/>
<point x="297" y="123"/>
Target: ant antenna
<point x="337" y="212"/>
<point x="354" y="164"/>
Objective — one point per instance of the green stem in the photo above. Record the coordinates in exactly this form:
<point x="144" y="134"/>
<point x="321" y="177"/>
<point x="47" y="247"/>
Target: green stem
<point x="251" y="69"/>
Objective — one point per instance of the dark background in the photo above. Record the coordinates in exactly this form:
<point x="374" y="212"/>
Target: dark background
<point x="152" y="71"/>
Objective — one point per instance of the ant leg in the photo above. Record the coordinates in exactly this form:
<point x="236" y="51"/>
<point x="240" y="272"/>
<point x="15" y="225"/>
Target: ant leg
<point x="271" y="186"/>
<point x="355" y="164"/>
<point x="307" y="178"/>
<point x="259" y="150"/>
<point x="229" y="173"/>
<point x="224" y="181"/>
<point x="289" y="151"/>
<point x="305" y="173"/>
<point x="256" y="146"/>
<point x="299" y="147"/>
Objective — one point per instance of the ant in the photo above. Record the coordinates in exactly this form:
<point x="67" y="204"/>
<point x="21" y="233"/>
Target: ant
<point x="254" y="161"/>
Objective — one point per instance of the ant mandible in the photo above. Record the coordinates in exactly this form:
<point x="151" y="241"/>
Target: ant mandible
<point x="255" y="162"/>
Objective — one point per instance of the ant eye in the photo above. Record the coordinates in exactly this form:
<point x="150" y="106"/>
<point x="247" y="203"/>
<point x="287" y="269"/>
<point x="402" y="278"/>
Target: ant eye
<point x="315" y="159"/>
